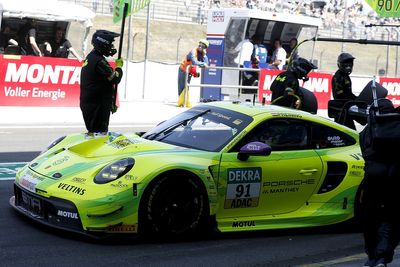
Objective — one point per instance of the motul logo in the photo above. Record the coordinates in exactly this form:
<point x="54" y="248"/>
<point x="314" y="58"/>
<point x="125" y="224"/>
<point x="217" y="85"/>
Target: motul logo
<point x="37" y="73"/>
<point x="392" y="87"/>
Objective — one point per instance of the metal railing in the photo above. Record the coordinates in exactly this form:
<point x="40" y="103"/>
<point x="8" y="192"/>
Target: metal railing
<point x="231" y="86"/>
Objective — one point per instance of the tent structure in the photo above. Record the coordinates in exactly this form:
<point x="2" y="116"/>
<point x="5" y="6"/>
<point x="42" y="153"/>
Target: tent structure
<point x="48" y="10"/>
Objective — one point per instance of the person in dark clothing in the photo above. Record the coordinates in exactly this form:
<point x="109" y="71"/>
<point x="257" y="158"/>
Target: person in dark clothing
<point x="341" y="85"/>
<point x="285" y="87"/>
<point x="379" y="199"/>
<point x="28" y="39"/>
<point x="61" y="47"/>
<point x="98" y="80"/>
<point x="5" y="36"/>
<point x="341" y="82"/>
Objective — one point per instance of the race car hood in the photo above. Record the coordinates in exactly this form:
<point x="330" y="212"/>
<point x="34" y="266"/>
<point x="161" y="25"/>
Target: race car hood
<point x="79" y="153"/>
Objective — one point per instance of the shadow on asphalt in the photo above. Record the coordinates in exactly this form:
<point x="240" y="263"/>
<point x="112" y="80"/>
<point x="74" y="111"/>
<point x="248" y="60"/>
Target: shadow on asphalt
<point x="18" y="156"/>
<point x="135" y="239"/>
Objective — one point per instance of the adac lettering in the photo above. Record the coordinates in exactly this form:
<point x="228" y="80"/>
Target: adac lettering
<point x="37" y="73"/>
<point x="241" y="203"/>
<point x="247" y="175"/>
<point x="67" y="214"/>
<point x="243" y="224"/>
<point x="72" y="188"/>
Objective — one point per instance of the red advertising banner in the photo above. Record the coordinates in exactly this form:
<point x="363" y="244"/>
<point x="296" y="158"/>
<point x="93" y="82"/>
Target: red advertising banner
<point x="393" y="87"/>
<point x="319" y="83"/>
<point x="39" y="81"/>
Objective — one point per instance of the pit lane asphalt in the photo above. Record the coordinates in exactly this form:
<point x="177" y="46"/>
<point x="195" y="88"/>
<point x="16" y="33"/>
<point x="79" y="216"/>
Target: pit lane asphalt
<point x="24" y="242"/>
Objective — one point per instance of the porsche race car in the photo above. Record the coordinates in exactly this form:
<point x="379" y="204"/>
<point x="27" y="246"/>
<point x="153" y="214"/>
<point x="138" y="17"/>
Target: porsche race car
<point x="236" y="166"/>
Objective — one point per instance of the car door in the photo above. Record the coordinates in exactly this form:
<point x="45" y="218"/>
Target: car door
<point x="276" y="184"/>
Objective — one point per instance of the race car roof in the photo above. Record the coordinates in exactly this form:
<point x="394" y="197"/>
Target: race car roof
<point x="252" y="110"/>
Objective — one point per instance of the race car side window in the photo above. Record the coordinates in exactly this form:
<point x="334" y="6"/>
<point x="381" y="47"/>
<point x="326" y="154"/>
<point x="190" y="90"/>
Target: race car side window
<point x="280" y="134"/>
<point x="327" y="137"/>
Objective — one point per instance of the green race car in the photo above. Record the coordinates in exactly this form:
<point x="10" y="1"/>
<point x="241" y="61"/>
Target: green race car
<point x="236" y="167"/>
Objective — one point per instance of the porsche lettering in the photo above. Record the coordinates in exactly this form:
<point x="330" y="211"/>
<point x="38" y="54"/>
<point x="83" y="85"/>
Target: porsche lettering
<point x="289" y="182"/>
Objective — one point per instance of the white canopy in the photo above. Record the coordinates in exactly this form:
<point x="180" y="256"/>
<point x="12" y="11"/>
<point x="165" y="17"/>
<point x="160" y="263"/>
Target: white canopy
<point x="49" y="10"/>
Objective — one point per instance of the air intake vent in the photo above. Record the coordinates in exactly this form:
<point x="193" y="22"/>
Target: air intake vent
<point x="334" y="176"/>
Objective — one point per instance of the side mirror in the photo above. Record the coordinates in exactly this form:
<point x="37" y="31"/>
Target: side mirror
<point x="253" y="149"/>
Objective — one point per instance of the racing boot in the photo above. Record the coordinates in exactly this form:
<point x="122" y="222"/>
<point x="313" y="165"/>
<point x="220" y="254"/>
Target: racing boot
<point x="181" y="99"/>
<point x="188" y="104"/>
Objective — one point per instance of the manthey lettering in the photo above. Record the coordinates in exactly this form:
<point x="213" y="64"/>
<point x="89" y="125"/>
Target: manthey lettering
<point x="286" y="186"/>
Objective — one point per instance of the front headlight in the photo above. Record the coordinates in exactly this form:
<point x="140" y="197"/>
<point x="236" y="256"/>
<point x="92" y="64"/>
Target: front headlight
<point x="114" y="171"/>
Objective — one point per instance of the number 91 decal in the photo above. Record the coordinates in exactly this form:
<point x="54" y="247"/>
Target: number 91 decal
<point x="243" y="188"/>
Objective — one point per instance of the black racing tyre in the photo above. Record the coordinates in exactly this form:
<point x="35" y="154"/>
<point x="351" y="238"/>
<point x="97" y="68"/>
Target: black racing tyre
<point x="173" y="207"/>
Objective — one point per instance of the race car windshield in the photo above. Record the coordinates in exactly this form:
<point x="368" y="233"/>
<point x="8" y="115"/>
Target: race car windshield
<point x="204" y="128"/>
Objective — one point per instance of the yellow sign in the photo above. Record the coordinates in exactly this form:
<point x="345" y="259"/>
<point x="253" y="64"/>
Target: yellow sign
<point x="133" y="6"/>
<point x="385" y="8"/>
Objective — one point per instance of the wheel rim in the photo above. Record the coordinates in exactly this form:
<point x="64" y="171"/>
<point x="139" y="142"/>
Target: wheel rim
<point x="175" y="207"/>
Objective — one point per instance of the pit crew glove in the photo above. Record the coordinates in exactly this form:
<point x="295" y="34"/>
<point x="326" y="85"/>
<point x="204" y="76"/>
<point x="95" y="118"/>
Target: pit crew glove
<point x="119" y="63"/>
<point x="288" y="91"/>
<point x="114" y="109"/>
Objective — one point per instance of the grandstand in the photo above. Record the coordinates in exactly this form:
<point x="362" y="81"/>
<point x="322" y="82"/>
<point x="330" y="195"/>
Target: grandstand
<point x="338" y="21"/>
<point x="168" y="42"/>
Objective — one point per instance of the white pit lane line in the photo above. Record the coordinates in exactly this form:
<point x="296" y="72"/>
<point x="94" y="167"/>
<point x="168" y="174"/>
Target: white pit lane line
<point x="7" y="173"/>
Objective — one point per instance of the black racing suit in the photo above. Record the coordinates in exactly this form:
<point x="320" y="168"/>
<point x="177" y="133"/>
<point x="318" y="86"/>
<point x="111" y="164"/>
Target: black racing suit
<point x="283" y="81"/>
<point x="380" y="201"/>
<point x="341" y="86"/>
<point x="341" y="89"/>
<point x="97" y="91"/>
<point x="60" y="49"/>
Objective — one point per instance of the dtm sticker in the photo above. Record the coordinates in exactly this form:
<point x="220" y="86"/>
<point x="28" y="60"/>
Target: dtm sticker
<point x="243" y="188"/>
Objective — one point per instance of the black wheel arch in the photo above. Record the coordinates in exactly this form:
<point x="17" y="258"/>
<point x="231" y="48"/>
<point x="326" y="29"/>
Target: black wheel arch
<point x="172" y="174"/>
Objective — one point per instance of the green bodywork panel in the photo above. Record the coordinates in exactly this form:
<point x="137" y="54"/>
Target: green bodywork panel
<point x="264" y="192"/>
